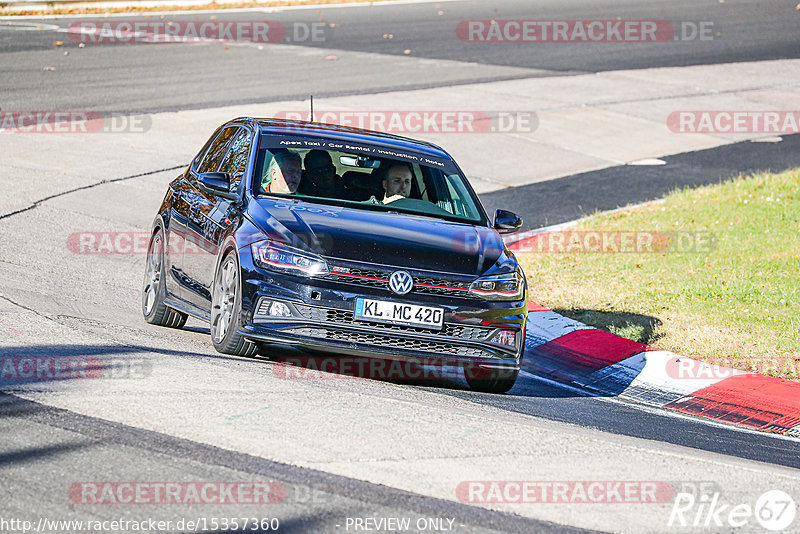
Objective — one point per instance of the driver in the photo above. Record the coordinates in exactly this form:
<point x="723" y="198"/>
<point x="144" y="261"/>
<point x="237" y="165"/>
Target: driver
<point x="397" y="182"/>
<point x="283" y="174"/>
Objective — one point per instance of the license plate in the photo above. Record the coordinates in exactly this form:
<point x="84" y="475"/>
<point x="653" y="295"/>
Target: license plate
<point x="382" y="311"/>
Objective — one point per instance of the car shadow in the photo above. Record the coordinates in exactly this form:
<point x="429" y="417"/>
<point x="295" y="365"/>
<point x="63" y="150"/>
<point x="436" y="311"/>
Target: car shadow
<point x="633" y="326"/>
<point x="549" y="370"/>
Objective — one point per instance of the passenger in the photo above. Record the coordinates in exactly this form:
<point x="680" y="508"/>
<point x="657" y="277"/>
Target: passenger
<point x="396" y="182"/>
<point x="319" y="177"/>
<point x="283" y="174"/>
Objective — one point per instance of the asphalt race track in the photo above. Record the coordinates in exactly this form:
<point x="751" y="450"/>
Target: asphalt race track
<point x="169" y="409"/>
<point x="110" y="77"/>
<point x="609" y="188"/>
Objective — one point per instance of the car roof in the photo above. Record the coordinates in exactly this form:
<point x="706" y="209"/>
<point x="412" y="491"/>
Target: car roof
<point x="343" y="133"/>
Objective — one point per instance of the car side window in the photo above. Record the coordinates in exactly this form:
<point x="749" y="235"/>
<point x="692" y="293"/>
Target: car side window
<point x="235" y="160"/>
<point x="198" y="159"/>
<point x="457" y="193"/>
<point x="216" y="151"/>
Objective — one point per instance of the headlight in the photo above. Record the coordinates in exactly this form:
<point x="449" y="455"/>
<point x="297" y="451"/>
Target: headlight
<point x="499" y="287"/>
<point x="287" y="259"/>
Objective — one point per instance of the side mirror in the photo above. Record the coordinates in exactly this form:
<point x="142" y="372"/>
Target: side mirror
<point x="217" y="182"/>
<point x="507" y="222"/>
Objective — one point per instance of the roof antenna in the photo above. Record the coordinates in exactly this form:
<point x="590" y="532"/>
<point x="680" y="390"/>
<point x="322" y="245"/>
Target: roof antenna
<point x="312" y="109"/>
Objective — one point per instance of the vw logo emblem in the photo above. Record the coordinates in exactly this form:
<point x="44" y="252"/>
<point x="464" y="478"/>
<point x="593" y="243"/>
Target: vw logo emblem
<point x="401" y="282"/>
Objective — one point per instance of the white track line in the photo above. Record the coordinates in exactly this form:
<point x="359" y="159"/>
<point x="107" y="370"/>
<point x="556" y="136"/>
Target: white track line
<point x="268" y="9"/>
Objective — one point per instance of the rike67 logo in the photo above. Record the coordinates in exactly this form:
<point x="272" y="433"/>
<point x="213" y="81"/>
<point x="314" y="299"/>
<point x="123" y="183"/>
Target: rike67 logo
<point x="775" y="510"/>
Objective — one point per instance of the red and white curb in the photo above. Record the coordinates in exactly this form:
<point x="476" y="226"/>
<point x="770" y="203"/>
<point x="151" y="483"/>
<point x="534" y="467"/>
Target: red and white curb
<point x="600" y="363"/>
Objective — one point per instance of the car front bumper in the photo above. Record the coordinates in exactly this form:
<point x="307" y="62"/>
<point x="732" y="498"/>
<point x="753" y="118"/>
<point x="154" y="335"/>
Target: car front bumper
<point x="323" y="319"/>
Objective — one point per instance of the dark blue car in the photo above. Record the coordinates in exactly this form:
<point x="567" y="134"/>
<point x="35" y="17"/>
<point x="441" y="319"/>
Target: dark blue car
<point x="340" y="240"/>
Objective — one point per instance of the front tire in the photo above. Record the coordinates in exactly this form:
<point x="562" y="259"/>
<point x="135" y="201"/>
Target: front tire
<point x="226" y="310"/>
<point x="153" y="288"/>
<point x="491" y="380"/>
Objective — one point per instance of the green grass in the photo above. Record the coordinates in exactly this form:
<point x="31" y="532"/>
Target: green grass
<point x="733" y="302"/>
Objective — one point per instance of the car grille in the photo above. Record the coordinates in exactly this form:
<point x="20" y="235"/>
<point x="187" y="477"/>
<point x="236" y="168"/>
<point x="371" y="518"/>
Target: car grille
<point x="431" y="347"/>
<point x="346" y="317"/>
<point x="380" y="278"/>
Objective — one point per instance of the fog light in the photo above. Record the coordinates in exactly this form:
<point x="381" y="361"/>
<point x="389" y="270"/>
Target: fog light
<point x="505" y="337"/>
<point x="279" y="309"/>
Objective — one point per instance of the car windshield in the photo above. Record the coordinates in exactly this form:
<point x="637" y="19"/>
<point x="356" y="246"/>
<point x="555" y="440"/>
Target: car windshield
<point x="374" y="177"/>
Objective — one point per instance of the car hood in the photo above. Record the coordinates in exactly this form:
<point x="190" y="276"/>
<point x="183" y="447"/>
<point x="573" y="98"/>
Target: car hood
<point x="380" y="238"/>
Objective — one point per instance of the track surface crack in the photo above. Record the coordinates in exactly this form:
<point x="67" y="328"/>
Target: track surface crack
<point x="84" y="187"/>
